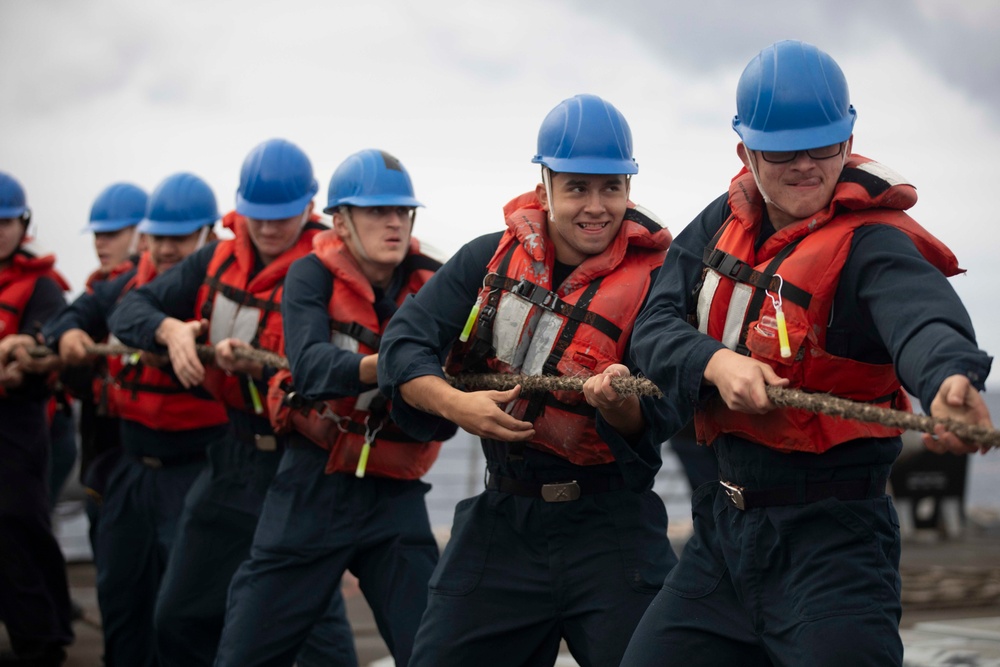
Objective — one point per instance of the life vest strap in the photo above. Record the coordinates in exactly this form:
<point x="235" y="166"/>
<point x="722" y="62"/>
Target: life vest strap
<point x="359" y="333"/>
<point x="550" y="301"/>
<point x="732" y="267"/>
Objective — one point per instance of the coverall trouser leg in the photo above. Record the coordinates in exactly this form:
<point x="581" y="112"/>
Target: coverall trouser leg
<point x="313" y="527"/>
<point x="519" y="574"/>
<point x="214" y="537"/>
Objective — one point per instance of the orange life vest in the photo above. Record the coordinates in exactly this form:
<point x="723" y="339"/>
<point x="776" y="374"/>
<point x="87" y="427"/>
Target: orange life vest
<point x="343" y="425"/>
<point x="99" y="275"/>
<point x="802" y="264"/>
<point x="249" y="309"/>
<point x="17" y="284"/>
<point x="527" y="325"/>
<point x="151" y="396"/>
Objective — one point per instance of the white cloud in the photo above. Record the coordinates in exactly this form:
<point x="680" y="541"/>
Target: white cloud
<point x="111" y="90"/>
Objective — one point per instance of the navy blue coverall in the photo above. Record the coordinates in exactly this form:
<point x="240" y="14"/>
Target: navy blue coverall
<point x="221" y="511"/>
<point x="519" y="573"/>
<point x="316" y="525"/>
<point x="34" y="593"/>
<point x="813" y="583"/>
<point x="141" y="503"/>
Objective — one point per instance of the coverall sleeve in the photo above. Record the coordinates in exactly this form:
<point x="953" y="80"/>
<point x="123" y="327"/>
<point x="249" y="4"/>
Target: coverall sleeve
<point x="43" y="304"/>
<point x="172" y="294"/>
<point x="88" y="312"/>
<point x="914" y="311"/>
<point x="666" y="348"/>
<point x="640" y="458"/>
<point x="421" y="333"/>
<point x="320" y="370"/>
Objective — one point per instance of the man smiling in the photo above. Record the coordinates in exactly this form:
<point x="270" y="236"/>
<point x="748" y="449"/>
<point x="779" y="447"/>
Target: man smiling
<point x="567" y="541"/>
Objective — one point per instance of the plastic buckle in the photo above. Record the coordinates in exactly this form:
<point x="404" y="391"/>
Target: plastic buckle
<point x="523" y="288"/>
<point x="560" y="493"/>
<point x="735" y="494"/>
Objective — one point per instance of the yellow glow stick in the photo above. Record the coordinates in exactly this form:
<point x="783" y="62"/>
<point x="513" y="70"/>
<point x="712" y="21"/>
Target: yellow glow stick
<point x="779" y="316"/>
<point x="473" y="314"/>
<point x="366" y="449"/>
<point x="255" y="397"/>
<point x="786" y="349"/>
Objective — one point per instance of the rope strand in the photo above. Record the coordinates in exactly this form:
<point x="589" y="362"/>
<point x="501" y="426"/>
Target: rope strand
<point x="629" y="386"/>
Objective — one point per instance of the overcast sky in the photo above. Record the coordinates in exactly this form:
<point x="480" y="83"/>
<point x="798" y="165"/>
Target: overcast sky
<point x="106" y="90"/>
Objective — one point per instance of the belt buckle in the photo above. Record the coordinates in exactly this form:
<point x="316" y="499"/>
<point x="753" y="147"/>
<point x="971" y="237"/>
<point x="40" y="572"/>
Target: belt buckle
<point x="265" y="443"/>
<point x="151" y="462"/>
<point x="735" y="494"/>
<point x="562" y="492"/>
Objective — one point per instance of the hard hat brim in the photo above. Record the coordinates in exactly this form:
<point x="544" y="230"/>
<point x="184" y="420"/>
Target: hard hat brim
<point x="12" y="212"/>
<point x="798" y="139"/>
<point x="101" y="226"/>
<point x="373" y="200"/>
<point x="588" y="165"/>
<point x="159" y="228"/>
<point x="280" y="211"/>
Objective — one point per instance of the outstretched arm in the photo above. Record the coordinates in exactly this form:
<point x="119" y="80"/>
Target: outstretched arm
<point x="478" y="412"/>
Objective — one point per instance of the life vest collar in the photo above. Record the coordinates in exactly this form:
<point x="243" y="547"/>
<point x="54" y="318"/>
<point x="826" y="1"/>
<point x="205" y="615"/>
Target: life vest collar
<point x="527" y="221"/>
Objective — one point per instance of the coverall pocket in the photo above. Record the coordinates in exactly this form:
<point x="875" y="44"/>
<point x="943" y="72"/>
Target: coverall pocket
<point x="833" y="565"/>
<point x="702" y="565"/>
<point x="641" y="525"/>
<point x="464" y="558"/>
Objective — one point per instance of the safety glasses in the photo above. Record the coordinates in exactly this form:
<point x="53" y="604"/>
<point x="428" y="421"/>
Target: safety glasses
<point x="821" y="153"/>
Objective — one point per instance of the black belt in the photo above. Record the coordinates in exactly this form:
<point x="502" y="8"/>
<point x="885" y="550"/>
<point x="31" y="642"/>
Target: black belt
<point x="157" y="462"/>
<point x="851" y="489"/>
<point x="554" y="492"/>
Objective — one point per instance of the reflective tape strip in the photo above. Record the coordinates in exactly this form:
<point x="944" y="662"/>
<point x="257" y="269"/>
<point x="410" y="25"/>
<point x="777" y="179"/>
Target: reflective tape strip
<point x="542" y="341"/>
<point x="231" y="320"/>
<point x="511" y="329"/>
<point x="344" y="342"/>
<point x="735" y="315"/>
<point x="365" y="399"/>
<point x="705" y="297"/>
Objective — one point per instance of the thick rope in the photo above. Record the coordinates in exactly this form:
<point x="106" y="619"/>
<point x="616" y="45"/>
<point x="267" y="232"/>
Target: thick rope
<point x="782" y="397"/>
<point x="629" y="386"/>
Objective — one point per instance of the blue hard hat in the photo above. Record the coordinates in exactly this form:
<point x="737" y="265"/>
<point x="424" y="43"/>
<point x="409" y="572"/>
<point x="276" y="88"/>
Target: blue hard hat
<point x="119" y="205"/>
<point x="12" y="202"/>
<point x="180" y="205"/>
<point x="791" y="97"/>
<point x="370" y="178"/>
<point x="586" y="135"/>
<point x="276" y="181"/>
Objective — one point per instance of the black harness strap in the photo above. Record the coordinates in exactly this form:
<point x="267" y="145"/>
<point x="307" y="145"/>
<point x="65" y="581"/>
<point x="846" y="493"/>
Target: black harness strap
<point x="272" y="306"/>
<point x="357" y="332"/>
<point x="213" y="282"/>
<point x="243" y="297"/>
<point x="551" y="366"/>
<point x="757" y="301"/>
<point x="550" y="301"/>
<point x="378" y="409"/>
<point x="732" y="267"/>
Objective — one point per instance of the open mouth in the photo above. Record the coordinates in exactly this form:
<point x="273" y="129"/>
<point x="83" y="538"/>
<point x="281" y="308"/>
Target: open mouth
<point x="592" y="226"/>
